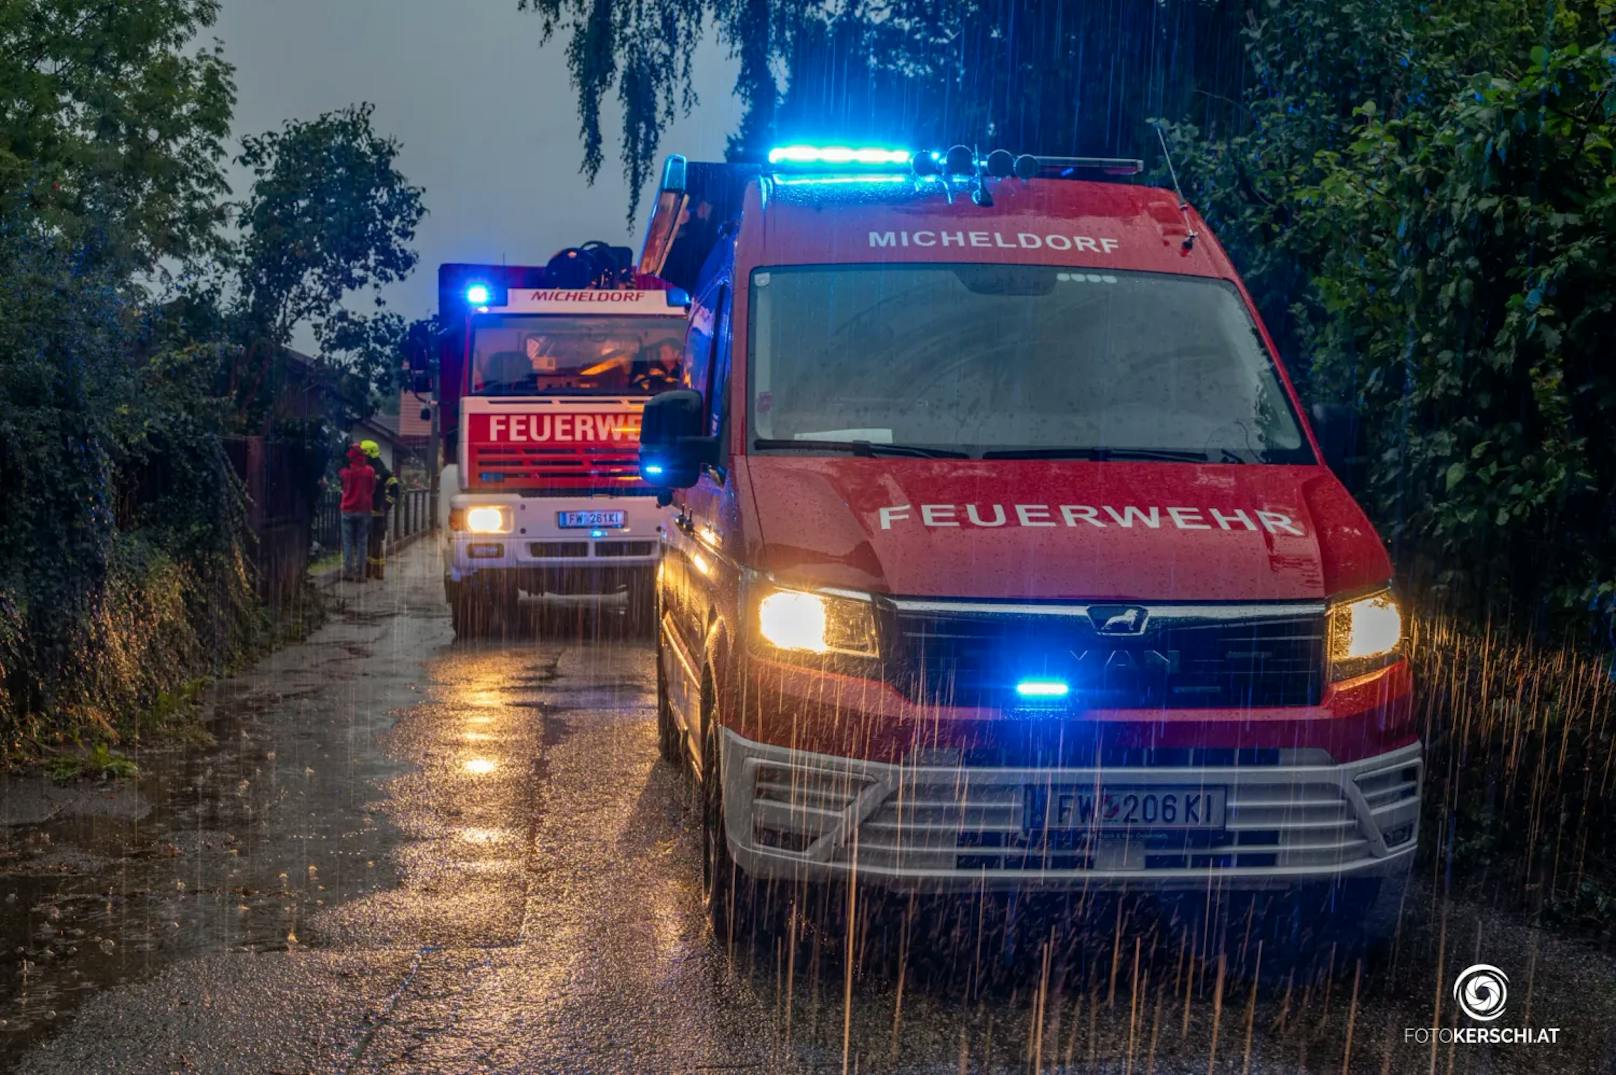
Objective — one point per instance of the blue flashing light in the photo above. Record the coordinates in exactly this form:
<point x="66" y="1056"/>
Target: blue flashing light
<point x="842" y="180"/>
<point x="1043" y="689"/>
<point x="862" y="156"/>
<point x="597" y="533"/>
<point x="653" y="469"/>
<point x="479" y="294"/>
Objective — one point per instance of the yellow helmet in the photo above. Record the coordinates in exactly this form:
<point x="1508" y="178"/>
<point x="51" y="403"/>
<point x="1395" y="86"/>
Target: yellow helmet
<point x="370" y="448"/>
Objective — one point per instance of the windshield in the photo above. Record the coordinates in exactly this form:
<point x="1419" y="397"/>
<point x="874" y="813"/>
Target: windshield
<point x="543" y="355"/>
<point x="1014" y="360"/>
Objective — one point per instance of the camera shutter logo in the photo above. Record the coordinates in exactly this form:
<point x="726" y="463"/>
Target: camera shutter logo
<point x="1481" y="991"/>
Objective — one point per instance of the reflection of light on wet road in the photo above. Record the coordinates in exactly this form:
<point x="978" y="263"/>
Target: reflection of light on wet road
<point x="478" y="737"/>
<point x="479" y="720"/>
<point x="479" y="766"/>
<point x="484" y="699"/>
<point x="476" y="835"/>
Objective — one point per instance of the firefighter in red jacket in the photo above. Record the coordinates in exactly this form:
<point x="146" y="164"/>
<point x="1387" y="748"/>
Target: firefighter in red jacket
<point x="358" y="495"/>
<point x="382" y="501"/>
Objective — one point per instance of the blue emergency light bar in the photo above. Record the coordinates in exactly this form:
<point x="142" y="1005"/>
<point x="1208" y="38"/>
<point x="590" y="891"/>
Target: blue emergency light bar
<point x="1044" y="689"/>
<point x="478" y="294"/>
<point x="861" y="156"/>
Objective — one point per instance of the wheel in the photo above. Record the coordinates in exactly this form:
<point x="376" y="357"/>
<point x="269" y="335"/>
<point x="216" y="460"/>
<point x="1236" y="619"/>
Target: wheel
<point x="504" y="610"/>
<point x="1382" y="902"/>
<point x="462" y="610"/>
<point x="1337" y="922"/>
<point x="727" y="893"/>
<point x="642" y="605"/>
<point x="670" y="740"/>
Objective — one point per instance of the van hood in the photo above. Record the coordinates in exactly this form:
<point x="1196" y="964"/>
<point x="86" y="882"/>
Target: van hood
<point x="1062" y="529"/>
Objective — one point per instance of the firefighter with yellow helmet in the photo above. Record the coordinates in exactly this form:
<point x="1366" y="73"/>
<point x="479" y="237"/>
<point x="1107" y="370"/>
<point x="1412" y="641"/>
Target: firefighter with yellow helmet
<point x="381" y="507"/>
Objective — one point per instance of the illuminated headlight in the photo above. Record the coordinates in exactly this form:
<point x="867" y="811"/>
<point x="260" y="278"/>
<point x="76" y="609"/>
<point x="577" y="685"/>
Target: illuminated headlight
<point x="806" y="622"/>
<point x="1365" y="634"/>
<point x="488" y="519"/>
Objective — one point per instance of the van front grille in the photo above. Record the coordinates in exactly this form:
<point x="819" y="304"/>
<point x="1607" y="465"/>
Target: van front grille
<point x="1184" y="657"/>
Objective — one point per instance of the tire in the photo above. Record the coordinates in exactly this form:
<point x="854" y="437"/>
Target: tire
<point x="642" y="606"/>
<point x="462" y="611"/>
<point x="1382" y="901"/>
<point x="1336" y="922"/>
<point x="504" y="611"/>
<point x="670" y="740"/>
<point x="728" y="894"/>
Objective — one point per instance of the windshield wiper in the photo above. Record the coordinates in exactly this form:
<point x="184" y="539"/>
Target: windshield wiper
<point x="862" y="447"/>
<point x="1102" y="454"/>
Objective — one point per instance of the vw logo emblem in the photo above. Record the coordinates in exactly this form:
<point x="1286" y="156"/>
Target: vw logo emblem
<point x="1118" y="619"/>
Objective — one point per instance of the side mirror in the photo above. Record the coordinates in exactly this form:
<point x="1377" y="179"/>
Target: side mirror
<point x="672" y="448"/>
<point x="1341" y="437"/>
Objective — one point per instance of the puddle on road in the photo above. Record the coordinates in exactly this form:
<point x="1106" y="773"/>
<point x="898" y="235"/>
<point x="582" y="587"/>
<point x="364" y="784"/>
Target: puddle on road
<point x="122" y="879"/>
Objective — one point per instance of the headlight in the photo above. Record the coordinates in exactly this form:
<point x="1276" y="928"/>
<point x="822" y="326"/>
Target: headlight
<point x="1364" y="634"/>
<point x="817" y="623"/>
<point x="488" y="519"/>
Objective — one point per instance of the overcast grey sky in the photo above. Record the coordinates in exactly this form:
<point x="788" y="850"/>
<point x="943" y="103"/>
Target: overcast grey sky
<point x="486" y="117"/>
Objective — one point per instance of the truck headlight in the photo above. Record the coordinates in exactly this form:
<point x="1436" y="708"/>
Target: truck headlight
<point x="488" y="519"/>
<point x="817" y="623"/>
<point x="1365" y="633"/>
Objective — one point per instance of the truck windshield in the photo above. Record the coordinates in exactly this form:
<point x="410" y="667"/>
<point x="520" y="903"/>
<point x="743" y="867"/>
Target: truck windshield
<point x="515" y="355"/>
<point x="1008" y="361"/>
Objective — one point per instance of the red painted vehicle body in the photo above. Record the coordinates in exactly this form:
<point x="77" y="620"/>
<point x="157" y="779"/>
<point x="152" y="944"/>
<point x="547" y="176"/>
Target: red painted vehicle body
<point x="821" y="765"/>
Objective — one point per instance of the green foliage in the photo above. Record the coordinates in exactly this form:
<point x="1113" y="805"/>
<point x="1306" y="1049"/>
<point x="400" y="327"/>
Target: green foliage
<point x="1423" y="203"/>
<point x="125" y="555"/>
<point x="1027" y="74"/>
<point x="328" y="215"/>
<point x="100" y="762"/>
<point x="111" y="124"/>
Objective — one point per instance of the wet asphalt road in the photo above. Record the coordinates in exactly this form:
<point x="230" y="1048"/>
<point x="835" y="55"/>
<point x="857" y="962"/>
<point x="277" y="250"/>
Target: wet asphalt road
<point x="406" y="854"/>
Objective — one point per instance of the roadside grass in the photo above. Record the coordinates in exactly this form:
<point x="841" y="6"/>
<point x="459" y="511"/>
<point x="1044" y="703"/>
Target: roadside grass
<point x="100" y="762"/>
<point x="154" y="693"/>
<point x="1520" y="778"/>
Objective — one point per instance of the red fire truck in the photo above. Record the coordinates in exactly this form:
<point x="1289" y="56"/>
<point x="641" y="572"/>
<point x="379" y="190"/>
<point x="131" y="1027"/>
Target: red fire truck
<point x="1004" y="554"/>
<point x="543" y="372"/>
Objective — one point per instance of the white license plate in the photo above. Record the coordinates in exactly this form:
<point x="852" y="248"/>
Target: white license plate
<point x="583" y="520"/>
<point x="1076" y="808"/>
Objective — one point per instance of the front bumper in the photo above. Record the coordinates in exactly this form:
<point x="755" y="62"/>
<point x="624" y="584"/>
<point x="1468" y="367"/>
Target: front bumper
<point x="538" y="549"/>
<point x="792" y="814"/>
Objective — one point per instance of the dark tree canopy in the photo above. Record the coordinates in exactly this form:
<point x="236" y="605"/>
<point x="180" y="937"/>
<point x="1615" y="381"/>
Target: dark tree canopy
<point x="1057" y="78"/>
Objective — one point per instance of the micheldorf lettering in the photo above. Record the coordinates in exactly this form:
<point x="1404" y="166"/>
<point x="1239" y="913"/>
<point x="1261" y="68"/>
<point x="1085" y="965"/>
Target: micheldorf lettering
<point x="928" y="238"/>
<point x="561" y="428"/>
<point x="1102" y="516"/>
<point x="590" y="296"/>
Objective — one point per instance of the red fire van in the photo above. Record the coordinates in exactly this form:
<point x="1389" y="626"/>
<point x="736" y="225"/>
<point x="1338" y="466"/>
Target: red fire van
<point x="1003" y="555"/>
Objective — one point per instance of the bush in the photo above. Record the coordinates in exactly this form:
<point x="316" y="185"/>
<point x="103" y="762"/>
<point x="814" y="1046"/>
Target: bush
<point x="1423" y="202"/>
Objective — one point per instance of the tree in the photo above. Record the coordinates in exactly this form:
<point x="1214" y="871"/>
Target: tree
<point x="1422" y="201"/>
<point x="328" y="217"/>
<point x="1059" y="78"/>
<point x="112" y="125"/>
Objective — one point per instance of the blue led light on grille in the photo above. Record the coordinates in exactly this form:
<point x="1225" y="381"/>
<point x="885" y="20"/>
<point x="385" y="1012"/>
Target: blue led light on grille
<point x="653" y="469"/>
<point x="597" y="533"/>
<point x="1043" y="688"/>
<point x="858" y="156"/>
